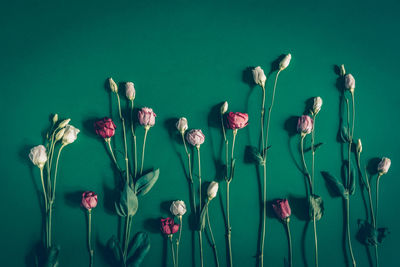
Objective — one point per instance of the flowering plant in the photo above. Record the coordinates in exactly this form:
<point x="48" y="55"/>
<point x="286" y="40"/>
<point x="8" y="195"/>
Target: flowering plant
<point x="89" y="201"/>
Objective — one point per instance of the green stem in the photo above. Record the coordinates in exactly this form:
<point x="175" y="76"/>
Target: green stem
<point x="262" y="121"/>
<point x="307" y="173"/>
<point x="376" y="219"/>
<point x="108" y="141"/>
<point x="146" y="129"/>
<point x="226" y="146"/>
<point x="315" y="240"/>
<point x="348" y="231"/>
<point x="190" y="173"/>
<point x="125" y="144"/>
<point x="172" y="250"/>
<point x="312" y="182"/>
<point x="178" y="240"/>
<point x="228" y="226"/>
<point x="290" y="243"/>
<point x="214" y="245"/>
<point x="91" y="251"/>
<point x="127" y="235"/>
<point x="50" y="215"/>
<point x="55" y="173"/>
<point x="46" y="207"/>
<point x="222" y="126"/>
<point x="200" y="235"/>
<point x="134" y="139"/>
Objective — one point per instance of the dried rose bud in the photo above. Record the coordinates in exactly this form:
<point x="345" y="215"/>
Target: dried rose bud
<point x="305" y="125"/>
<point x="259" y="76"/>
<point x="359" y="146"/>
<point x="384" y="165"/>
<point x="195" y="137"/>
<point x="342" y="70"/>
<point x="147" y="117"/>
<point x="130" y="91"/>
<point x="317" y="105"/>
<point x="349" y="82"/>
<point x="182" y="125"/>
<point x="38" y="156"/>
<point x="89" y="200"/>
<point x="237" y="120"/>
<point x="105" y="128"/>
<point x="178" y="208"/>
<point x="168" y="226"/>
<point x="113" y="85"/>
<point x="285" y="62"/>
<point x="224" y="107"/>
<point x="212" y="190"/>
<point x="282" y="209"/>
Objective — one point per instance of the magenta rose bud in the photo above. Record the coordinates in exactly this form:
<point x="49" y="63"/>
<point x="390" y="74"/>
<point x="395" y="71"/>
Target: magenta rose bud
<point x="282" y="209"/>
<point x="105" y="128"/>
<point x="305" y="125"/>
<point x="195" y="137"/>
<point x="237" y="120"/>
<point x="89" y="200"/>
<point x="147" y="117"/>
<point x="168" y="226"/>
<point x="384" y="165"/>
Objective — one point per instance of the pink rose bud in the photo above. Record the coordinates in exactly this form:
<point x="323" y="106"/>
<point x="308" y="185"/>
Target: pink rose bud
<point x="89" y="200"/>
<point x="282" y="209"/>
<point x="147" y="117"/>
<point x="130" y="91"/>
<point x="182" y="125"/>
<point x="349" y="82"/>
<point x="195" y="137"/>
<point x="305" y="125"/>
<point x="105" y="128"/>
<point x="168" y="226"/>
<point x="384" y="165"/>
<point x="237" y="120"/>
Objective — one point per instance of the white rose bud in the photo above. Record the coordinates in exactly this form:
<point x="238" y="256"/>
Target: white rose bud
<point x="70" y="134"/>
<point x="60" y="134"/>
<point x="342" y="70"/>
<point x="349" y="82"/>
<point x="38" y="156"/>
<point x="317" y="105"/>
<point x="178" y="208"/>
<point x="259" y="76"/>
<point x="285" y="62"/>
<point x="64" y="123"/>
<point x="130" y="91"/>
<point x="384" y="165"/>
<point x="224" y="107"/>
<point x="359" y="146"/>
<point x="113" y="85"/>
<point x="212" y="190"/>
<point x="182" y="125"/>
<point x="55" y="118"/>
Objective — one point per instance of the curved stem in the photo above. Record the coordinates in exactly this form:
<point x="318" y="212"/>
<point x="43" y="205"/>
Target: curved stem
<point x="214" y="245"/>
<point x="146" y="129"/>
<point x="178" y="240"/>
<point x="134" y="140"/>
<point x="348" y="231"/>
<point x="290" y="243"/>
<point x="91" y="252"/>
<point x="125" y="144"/>
<point x="172" y="250"/>
<point x="108" y="141"/>
<point x="190" y="174"/>
<point x="307" y="173"/>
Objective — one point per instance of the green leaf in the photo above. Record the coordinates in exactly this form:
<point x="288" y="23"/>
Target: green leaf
<point x="115" y="247"/>
<point x="336" y="184"/>
<point x="52" y="257"/>
<point x="352" y="185"/>
<point x="315" y="147"/>
<point x="316" y="207"/>
<point x="344" y="134"/>
<point x="139" y="249"/>
<point x="119" y="210"/>
<point x="128" y="204"/>
<point x="370" y="236"/>
<point x="203" y="215"/>
<point x="233" y="164"/>
<point x="146" y="182"/>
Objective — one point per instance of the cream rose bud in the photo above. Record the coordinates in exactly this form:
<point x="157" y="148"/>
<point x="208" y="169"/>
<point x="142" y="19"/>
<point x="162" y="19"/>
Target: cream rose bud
<point x="64" y="123"/>
<point x="359" y="146"/>
<point x="182" y="125"/>
<point x="317" y="105"/>
<point x="70" y="134"/>
<point x="38" y="156"/>
<point x="224" y="107"/>
<point x="259" y="76"/>
<point x="113" y="85"/>
<point x="178" y="208"/>
<point x="55" y="118"/>
<point x="212" y="190"/>
<point x="285" y="62"/>
<point x="60" y="134"/>
<point x="384" y="165"/>
<point x="349" y="82"/>
<point x="342" y="70"/>
<point x="130" y="91"/>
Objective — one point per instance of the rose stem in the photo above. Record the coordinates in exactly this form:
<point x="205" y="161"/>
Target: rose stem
<point x="90" y="236"/>
<point x="348" y="229"/>
<point x="226" y="146"/>
<point x="306" y="172"/>
<point x="200" y="237"/>
<point x="134" y="139"/>
<point x="108" y="141"/>
<point x="262" y="120"/>
<point x="376" y="218"/>
<point x="125" y="145"/>
<point x="290" y="242"/>
<point x="172" y="250"/>
<point x="46" y="207"/>
<point x="214" y="245"/>
<point x="178" y="240"/>
<point x="146" y="129"/>
<point x="265" y="153"/>
<point x="312" y="181"/>
<point x="190" y="173"/>
<point x="127" y="234"/>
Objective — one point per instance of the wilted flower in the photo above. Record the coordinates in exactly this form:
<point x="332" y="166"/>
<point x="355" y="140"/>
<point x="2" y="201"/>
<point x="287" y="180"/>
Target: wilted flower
<point x="305" y="125"/>
<point x="113" y="85"/>
<point x="178" y="208"/>
<point x="70" y="134"/>
<point x="359" y="146"/>
<point x="168" y="226"/>
<point x="105" y="128"/>
<point x="259" y="76"/>
<point x="89" y="200"/>
<point x="317" y="105"/>
<point x="212" y="190"/>
<point x="285" y="62"/>
<point x="384" y="165"/>
<point x="38" y="156"/>
<point x="224" y="107"/>
<point x="130" y="91"/>
<point x="282" y="209"/>
<point x="147" y="117"/>
<point x="349" y="82"/>
<point x="195" y="137"/>
<point x="182" y="125"/>
<point x="237" y="120"/>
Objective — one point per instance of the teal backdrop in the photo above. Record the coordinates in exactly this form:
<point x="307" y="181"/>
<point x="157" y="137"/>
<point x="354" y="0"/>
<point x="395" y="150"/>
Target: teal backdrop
<point x="185" y="58"/>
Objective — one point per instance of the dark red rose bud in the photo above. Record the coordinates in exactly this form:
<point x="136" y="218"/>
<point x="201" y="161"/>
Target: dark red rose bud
<point x="105" y="128"/>
<point x="168" y="226"/>
<point x="282" y="208"/>
<point x="237" y="120"/>
<point x="89" y="200"/>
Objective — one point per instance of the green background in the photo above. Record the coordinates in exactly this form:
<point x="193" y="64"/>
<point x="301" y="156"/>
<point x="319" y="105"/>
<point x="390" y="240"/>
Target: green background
<point x="185" y="57"/>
